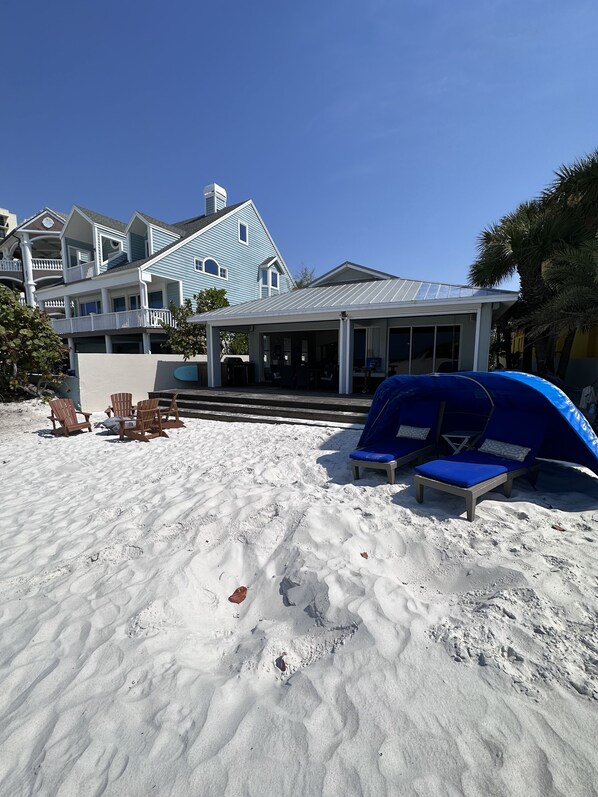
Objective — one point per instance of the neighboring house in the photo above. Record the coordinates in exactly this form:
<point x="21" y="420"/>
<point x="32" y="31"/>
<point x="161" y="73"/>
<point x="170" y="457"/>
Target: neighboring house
<point x="30" y="254"/>
<point x="119" y="279"/>
<point x="364" y="324"/>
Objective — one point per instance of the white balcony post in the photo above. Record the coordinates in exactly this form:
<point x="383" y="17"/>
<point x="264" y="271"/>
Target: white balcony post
<point x="143" y="297"/>
<point x="105" y="300"/>
<point x="108" y="340"/>
<point x="213" y="355"/>
<point x="28" y="269"/>
<point x="67" y="306"/>
<point x="147" y="347"/>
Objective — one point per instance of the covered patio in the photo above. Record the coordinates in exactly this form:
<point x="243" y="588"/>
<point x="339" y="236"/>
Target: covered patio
<point x="349" y="335"/>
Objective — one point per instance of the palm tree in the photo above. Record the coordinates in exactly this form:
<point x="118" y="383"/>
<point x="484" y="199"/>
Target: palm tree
<point x="523" y="243"/>
<point x="572" y="305"/>
<point x="575" y="189"/>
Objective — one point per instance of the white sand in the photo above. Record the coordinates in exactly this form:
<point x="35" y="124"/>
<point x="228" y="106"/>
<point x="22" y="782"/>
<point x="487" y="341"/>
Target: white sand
<point x="458" y="658"/>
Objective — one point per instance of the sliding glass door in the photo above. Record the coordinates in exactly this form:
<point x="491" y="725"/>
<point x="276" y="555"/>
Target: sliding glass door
<point x="423" y="350"/>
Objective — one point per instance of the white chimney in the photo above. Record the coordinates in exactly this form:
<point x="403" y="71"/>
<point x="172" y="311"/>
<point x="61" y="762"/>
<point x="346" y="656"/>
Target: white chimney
<point x="215" y="198"/>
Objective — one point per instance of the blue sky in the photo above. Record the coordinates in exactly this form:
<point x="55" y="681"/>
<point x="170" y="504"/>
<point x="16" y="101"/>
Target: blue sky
<point x="383" y="132"/>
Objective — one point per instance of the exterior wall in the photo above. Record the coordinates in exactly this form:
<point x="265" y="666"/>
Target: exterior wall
<point x="161" y="238"/>
<point x="102" y="374"/>
<point x="137" y="246"/>
<point x="222" y="243"/>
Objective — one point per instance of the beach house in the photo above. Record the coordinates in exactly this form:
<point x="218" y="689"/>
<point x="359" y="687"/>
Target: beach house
<point x="355" y="325"/>
<point x="30" y="255"/>
<point x="120" y="278"/>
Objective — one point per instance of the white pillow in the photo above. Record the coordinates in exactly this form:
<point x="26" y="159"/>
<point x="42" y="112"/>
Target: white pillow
<point x="505" y="450"/>
<point x="414" y="432"/>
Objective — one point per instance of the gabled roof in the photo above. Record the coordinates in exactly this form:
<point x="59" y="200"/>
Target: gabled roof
<point x="336" y="274"/>
<point x="157" y="223"/>
<point x="105" y="221"/>
<point x="378" y="296"/>
<point x="31" y="219"/>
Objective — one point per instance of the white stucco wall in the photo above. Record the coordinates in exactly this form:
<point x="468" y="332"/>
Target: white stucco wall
<point x="100" y="375"/>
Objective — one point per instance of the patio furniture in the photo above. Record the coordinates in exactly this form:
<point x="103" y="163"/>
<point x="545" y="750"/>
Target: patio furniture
<point x="460" y="439"/>
<point x="148" y="422"/>
<point x="416" y="435"/>
<point x="121" y="405"/>
<point x="173" y="422"/>
<point x="64" y="414"/>
<point x="506" y="450"/>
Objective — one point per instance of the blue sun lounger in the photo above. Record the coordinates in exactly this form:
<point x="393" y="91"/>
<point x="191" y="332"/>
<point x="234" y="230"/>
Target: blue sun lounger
<point x="506" y="450"/>
<point x="417" y="431"/>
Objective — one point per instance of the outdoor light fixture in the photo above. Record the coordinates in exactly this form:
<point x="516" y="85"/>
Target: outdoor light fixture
<point x="344" y="315"/>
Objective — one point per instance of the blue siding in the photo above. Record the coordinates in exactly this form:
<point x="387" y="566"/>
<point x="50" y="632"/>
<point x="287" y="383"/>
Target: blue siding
<point x="137" y="246"/>
<point x="172" y="293"/>
<point x="222" y="243"/>
<point x="162" y="238"/>
<point x="115" y="236"/>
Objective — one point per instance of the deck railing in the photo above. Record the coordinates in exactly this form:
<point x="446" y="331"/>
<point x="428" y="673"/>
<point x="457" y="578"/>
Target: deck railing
<point x="111" y="322"/>
<point x="40" y="263"/>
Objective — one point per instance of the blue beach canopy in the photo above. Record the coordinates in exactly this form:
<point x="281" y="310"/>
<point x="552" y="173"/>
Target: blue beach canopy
<point x="470" y="397"/>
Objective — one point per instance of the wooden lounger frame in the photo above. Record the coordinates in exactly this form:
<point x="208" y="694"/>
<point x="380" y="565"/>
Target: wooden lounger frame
<point x="471" y="494"/>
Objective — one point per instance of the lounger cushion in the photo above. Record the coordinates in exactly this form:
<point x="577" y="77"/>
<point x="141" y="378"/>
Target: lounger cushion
<point x="413" y="432"/>
<point x="467" y="468"/>
<point x="388" y="451"/>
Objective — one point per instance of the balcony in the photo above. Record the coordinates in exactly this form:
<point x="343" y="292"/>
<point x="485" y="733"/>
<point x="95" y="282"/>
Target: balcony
<point x="81" y="272"/>
<point x="39" y="263"/>
<point x="112" y="322"/>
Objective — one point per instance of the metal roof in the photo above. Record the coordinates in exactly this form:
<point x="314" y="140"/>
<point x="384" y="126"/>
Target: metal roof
<point x="373" y="294"/>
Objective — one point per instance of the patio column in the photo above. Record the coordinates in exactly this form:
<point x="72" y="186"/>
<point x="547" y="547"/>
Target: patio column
<point x="345" y="347"/>
<point x="67" y="306"/>
<point x="108" y="342"/>
<point x="147" y="346"/>
<point x="255" y="354"/>
<point x="28" y="269"/>
<point x="213" y="355"/>
<point x="483" y="329"/>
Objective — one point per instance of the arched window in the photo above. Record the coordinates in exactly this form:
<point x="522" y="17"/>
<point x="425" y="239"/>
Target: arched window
<point x="210" y="266"/>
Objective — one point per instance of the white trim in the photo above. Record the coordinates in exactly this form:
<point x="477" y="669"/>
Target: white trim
<point x="280" y="258"/>
<point x="201" y="261"/>
<point x="116" y="252"/>
<point x="244" y="223"/>
<point x="150" y="241"/>
<point x="476" y="338"/>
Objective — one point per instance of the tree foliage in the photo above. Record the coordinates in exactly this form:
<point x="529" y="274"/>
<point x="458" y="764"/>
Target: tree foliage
<point x="304" y="276"/>
<point x="189" y="339"/>
<point x="549" y="242"/>
<point x="28" y="345"/>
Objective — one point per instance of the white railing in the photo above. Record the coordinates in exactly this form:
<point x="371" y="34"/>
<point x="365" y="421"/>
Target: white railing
<point x="53" y="303"/>
<point x="8" y="264"/>
<point x="80" y="272"/>
<point x="47" y="264"/>
<point x="110" y="322"/>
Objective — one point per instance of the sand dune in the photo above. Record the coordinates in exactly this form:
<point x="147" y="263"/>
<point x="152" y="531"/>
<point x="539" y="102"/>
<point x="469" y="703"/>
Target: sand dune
<point x="456" y="659"/>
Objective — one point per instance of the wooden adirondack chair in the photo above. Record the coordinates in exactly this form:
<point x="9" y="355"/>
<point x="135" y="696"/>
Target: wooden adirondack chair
<point x="174" y="422"/>
<point x="121" y="405"/>
<point x="65" y="415"/>
<point x="148" y="422"/>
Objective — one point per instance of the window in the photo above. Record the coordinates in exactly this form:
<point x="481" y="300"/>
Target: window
<point x="89" y="308"/>
<point x="210" y="266"/>
<point x="134" y="302"/>
<point x="359" y="348"/>
<point x="119" y="304"/>
<point x="243" y="233"/>
<point x="269" y="279"/>
<point x="154" y="300"/>
<point x="78" y="256"/>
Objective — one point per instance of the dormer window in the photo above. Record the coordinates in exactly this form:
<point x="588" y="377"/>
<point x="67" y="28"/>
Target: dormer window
<point x="110" y="248"/>
<point x="270" y="281"/>
<point x="210" y="266"/>
<point x="243" y="233"/>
